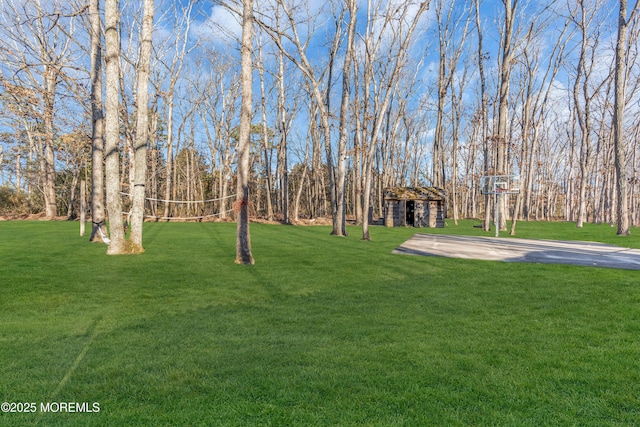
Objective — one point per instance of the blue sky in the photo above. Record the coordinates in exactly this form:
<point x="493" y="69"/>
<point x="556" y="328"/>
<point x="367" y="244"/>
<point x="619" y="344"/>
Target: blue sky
<point x="206" y="13"/>
<point x="207" y="25"/>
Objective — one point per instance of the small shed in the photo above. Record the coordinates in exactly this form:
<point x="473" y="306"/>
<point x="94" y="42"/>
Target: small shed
<point x="414" y="207"/>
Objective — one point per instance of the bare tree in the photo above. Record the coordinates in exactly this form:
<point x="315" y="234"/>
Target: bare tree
<point x="320" y="97"/>
<point x="112" y="127"/>
<point x="407" y="18"/>
<point x="621" y="70"/>
<point x="535" y="94"/>
<point x="97" y="125"/>
<point x="585" y="17"/>
<point x="243" y="239"/>
<point x="179" y="48"/>
<point x="342" y="126"/>
<point x="267" y="133"/>
<point x="36" y="45"/>
<point x="142" y="127"/>
<point x="284" y="124"/>
<point x="483" y="115"/>
<point x="452" y="31"/>
<point x="220" y="106"/>
<point x="457" y="92"/>
<point x="507" y="46"/>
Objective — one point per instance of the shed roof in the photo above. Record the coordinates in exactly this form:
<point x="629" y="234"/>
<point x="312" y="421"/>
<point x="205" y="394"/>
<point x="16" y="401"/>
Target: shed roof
<point x="414" y="193"/>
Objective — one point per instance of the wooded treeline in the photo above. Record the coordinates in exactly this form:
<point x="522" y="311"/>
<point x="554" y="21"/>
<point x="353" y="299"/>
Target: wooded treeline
<point x="349" y="97"/>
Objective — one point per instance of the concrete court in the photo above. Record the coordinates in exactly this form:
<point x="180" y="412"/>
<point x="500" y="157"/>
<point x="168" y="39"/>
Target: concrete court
<point x="522" y="250"/>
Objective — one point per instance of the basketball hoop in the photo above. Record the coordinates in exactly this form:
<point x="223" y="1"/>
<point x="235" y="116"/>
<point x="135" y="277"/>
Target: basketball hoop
<point x="499" y="185"/>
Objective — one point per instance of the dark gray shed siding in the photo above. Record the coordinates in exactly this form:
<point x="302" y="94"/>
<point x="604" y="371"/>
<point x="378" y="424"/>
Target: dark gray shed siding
<point x="414" y="207"/>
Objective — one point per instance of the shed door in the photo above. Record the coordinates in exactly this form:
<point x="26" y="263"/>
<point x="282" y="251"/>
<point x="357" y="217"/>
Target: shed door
<point x="411" y="213"/>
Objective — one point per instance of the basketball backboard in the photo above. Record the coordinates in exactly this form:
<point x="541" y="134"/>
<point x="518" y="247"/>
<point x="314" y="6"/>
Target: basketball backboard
<point x="499" y="184"/>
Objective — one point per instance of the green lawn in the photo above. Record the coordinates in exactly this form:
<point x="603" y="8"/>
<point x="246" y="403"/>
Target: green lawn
<point x="322" y="331"/>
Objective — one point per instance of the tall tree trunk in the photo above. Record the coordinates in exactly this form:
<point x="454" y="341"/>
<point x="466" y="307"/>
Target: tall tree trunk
<point x="168" y="182"/>
<point x="154" y="162"/>
<point x="282" y="144"/>
<point x="583" y="115"/>
<point x="112" y="127"/>
<point x="97" y="126"/>
<point x="483" y="115"/>
<point x="50" y="79"/>
<point x="266" y="145"/>
<point x="456" y="99"/>
<point x="357" y="170"/>
<point x="569" y="206"/>
<point x="326" y="132"/>
<point x="142" y="127"/>
<point x="506" y="67"/>
<point x="622" y="212"/>
<point x="83" y="206"/>
<point x="439" y="156"/>
<point x="301" y="186"/>
<point x="341" y="179"/>
<point x="243" y="239"/>
<point x="18" y="167"/>
<point x="71" y="214"/>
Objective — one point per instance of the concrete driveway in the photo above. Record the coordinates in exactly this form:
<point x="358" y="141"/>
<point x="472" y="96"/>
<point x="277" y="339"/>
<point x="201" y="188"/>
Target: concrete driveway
<point x="522" y="250"/>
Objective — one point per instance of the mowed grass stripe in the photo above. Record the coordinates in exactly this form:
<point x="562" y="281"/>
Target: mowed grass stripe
<point x="321" y="331"/>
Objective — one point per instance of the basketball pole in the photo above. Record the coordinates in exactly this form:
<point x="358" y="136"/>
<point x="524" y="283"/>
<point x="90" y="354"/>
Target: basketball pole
<point x="497" y="216"/>
<point x="498" y="185"/>
<point x="497" y="208"/>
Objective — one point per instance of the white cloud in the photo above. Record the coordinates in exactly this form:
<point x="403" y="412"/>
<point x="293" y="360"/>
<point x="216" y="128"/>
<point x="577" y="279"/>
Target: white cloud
<point x="222" y="25"/>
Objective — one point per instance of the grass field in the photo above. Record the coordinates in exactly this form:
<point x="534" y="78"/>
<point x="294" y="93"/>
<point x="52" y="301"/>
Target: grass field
<point x="322" y="331"/>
